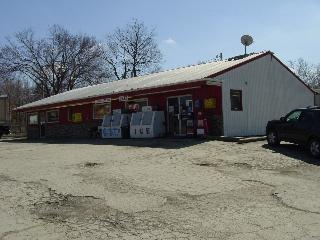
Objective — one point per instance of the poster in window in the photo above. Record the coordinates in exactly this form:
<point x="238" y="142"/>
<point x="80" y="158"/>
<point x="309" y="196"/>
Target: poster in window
<point x="136" y="105"/>
<point x="99" y="110"/>
<point x="77" y="117"/>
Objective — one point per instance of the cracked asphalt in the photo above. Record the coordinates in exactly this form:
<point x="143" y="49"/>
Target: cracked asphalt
<point x="157" y="189"/>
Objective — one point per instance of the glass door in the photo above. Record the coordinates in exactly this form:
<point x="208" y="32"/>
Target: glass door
<point x="179" y="110"/>
<point x="186" y="110"/>
<point x="173" y="116"/>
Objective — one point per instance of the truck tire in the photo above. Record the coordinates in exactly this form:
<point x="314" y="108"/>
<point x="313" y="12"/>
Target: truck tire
<point x="272" y="138"/>
<point x="314" y="147"/>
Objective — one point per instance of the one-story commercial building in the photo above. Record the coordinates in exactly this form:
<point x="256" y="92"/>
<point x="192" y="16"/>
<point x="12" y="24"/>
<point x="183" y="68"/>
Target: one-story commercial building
<point x="236" y="96"/>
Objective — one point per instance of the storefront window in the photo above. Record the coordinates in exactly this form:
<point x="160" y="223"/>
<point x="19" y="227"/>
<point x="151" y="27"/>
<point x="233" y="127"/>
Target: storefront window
<point x="99" y="110"/>
<point x="53" y="116"/>
<point x="137" y="104"/>
<point x="33" y="118"/>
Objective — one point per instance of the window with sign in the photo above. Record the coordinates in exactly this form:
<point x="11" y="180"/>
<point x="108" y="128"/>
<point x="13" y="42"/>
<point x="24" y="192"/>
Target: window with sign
<point x="53" y="116"/>
<point x="236" y="100"/>
<point x="74" y="116"/>
<point x="101" y="109"/>
<point x="137" y="104"/>
<point x="32" y="118"/>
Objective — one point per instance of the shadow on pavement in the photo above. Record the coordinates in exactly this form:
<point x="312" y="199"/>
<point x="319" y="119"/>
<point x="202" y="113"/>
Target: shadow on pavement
<point x="294" y="151"/>
<point x="166" y="143"/>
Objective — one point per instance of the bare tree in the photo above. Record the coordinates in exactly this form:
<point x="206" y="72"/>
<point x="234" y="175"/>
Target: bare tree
<point x="132" y="51"/>
<point x="20" y="92"/>
<point x="60" y="62"/>
<point x="309" y="73"/>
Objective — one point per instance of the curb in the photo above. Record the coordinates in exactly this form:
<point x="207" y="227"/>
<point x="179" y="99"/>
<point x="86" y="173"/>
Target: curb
<point x="239" y="140"/>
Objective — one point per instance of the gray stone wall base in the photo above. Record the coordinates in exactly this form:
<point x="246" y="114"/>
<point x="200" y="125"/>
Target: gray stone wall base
<point x="81" y="130"/>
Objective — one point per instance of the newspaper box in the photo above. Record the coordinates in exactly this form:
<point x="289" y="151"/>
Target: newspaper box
<point x="147" y="124"/>
<point x="114" y="126"/>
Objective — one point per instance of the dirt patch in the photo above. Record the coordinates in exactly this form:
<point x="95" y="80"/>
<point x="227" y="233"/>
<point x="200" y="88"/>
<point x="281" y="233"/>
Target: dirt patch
<point x="242" y="165"/>
<point x="94" y="213"/>
<point x="60" y="208"/>
<point x="289" y="172"/>
<point x="5" y="178"/>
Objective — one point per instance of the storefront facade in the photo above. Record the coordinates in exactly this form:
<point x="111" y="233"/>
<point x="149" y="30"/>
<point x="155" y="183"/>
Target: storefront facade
<point x="235" y="97"/>
<point x="181" y="104"/>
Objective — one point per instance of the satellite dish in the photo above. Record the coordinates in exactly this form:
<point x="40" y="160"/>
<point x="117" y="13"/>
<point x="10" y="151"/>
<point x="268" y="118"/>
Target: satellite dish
<point x="246" y="40"/>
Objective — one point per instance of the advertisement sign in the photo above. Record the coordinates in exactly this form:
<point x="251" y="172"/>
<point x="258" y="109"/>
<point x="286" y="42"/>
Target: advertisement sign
<point x="77" y="117"/>
<point x="142" y="131"/>
<point x="123" y="98"/>
<point x="108" y="132"/>
<point x="146" y="109"/>
<point x="210" y="103"/>
<point x="117" y="111"/>
<point x="197" y="103"/>
<point x="103" y="100"/>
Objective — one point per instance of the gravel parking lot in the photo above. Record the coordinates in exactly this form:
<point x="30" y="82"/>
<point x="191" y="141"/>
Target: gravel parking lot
<point x="157" y="189"/>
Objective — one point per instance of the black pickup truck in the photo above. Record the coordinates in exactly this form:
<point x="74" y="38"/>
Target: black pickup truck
<point x="4" y="130"/>
<point x="300" y="126"/>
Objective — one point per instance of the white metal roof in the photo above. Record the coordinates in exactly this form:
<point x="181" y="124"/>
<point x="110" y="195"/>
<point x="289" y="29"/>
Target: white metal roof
<point x="160" y="79"/>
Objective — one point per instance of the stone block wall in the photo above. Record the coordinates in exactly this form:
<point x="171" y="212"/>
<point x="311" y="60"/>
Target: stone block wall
<point x="33" y="132"/>
<point x="216" y="123"/>
<point x="79" y="130"/>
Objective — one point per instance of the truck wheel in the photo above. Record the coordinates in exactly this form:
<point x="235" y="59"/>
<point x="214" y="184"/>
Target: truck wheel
<point x="314" y="147"/>
<point x="272" y="138"/>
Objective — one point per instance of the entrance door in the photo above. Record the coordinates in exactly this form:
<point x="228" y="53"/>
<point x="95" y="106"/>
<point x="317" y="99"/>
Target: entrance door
<point x="179" y="111"/>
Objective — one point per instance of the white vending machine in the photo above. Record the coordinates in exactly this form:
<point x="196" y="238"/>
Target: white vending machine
<point x="147" y="124"/>
<point x="114" y="126"/>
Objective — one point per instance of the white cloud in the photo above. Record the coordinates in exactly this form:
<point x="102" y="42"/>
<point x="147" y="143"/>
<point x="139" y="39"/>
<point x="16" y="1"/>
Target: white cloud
<point x="170" y="41"/>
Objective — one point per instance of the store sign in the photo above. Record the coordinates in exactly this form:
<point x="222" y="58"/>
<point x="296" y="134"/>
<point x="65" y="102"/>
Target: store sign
<point x="146" y="109"/>
<point x="210" y="103"/>
<point x="142" y="132"/>
<point x="213" y="82"/>
<point x="108" y="132"/>
<point x="123" y="98"/>
<point x="104" y="100"/>
<point x="117" y="111"/>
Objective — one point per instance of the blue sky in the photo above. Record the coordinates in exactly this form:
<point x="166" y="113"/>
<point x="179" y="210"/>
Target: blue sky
<point x="188" y="31"/>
